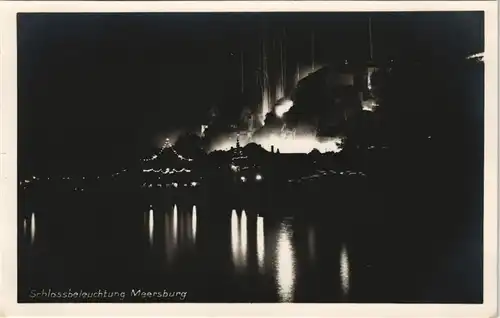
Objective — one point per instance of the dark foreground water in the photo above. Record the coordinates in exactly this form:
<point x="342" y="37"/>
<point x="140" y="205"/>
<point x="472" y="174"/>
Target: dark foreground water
<point x="183" y="248"/>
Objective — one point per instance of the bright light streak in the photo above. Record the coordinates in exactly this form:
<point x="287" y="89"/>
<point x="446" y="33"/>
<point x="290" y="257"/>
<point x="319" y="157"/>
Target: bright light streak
<point x="174" y="225"/>
<point x="285" y="264"/>
<point x="265" y="106"/>
<point x="344" y="270"/>
<point x="283" y="107"/>
<point x="151" y="225"/>
<point x="476" y="56"/>
<point x="235" y="239"/>
<point x="170" y="241"/>
<point x="33" y="226"/>
<point x="260" y="242"/>
<point x="369" y="80"/>
<point x="194" y="222"/>
<point x="243" y="237"/>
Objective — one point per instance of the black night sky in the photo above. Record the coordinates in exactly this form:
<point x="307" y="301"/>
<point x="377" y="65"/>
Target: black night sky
<point x="97" y="89"/>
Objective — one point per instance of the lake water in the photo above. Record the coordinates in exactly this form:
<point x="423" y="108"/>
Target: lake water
<point x="221" y="251"/>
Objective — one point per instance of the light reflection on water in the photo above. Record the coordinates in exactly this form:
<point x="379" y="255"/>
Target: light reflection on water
<point x="151" y="223"/>
<point x="194" y="222"/>
<point x="293" y="267"/>
<point x="344" y="270"/>
<point x="181" y="225"/>
<point x="274" y="246"/>
<point x="239" y="237"/>
<point x="170" y="247"/>
<point x="243" y="238"/>
<point x="33" y="227"/>
<point x="175" y="225"/>
<point x="235" y="238"/>
<point x="285" y="263"/>
<point x="260" y="242"/>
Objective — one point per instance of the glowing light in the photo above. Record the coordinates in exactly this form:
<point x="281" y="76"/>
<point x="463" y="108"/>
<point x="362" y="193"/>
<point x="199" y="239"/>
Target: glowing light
<point x="344" y="270"/>
<point x="234" y="168"/>
<point x="166" y="145"/>
<point x="235" y="239"/>
<point x="283" y="107"/>
<point x="175" y="184"/>
<point x="194" y="222"/>
<point x="174" y="225"/>
<point x="151" y="225"/>
<point x="260" y="242"/>
<point x="285" y="264"/>
<point x="479" y="56"/>
<point x="369" y="105"/>
<point x="258" y="177"/>
<point x="33" y="226"/>
<point x="25" y="226"/>
<point x="167" y="171"/>
<point x="287" y="142"/>
<point x="243" y="236"/>
<point x="369" y="80"/>
<point x="305" y="143"/>
<point x="203" y="129"/>
<point x="243" y="179"/>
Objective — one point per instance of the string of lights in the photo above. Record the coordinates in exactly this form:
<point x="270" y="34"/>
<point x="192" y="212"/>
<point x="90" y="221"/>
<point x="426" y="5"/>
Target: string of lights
<point x="166" y="144"/>
<point x="167" y="170"/>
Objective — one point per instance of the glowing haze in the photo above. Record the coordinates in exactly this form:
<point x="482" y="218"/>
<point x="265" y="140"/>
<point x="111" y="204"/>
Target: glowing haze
<point x="283" y="107"/>
<point x="285" y="143"/>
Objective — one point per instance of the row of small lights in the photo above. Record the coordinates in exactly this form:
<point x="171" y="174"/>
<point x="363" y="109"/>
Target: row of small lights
<point x="173" y="184"/>
<point x="315" y="176"/>
<point x="167" y="144"/>
<point x="35" y="178"/>
<point x="167" y="171"/>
